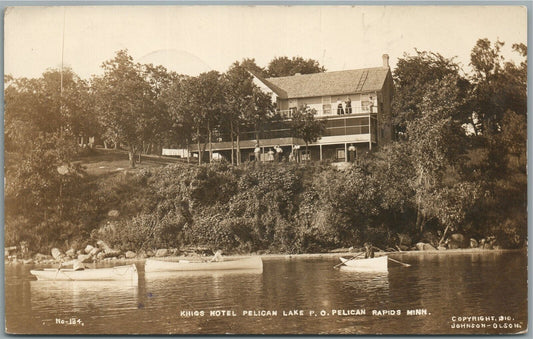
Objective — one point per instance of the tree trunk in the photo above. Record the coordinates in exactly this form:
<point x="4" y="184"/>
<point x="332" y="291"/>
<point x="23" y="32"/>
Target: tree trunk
<point x="307" y="151"/>
<point x="239" y="160"/>
<point x="232" y="143"/>
<point x="209" y="141"/>
<point x="131" y="155"/>
<point x="188" y="151"/>
<point x="198" y="140"/>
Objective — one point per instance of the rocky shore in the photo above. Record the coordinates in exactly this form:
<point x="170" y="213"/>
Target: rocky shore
<point x="101" y="252"/>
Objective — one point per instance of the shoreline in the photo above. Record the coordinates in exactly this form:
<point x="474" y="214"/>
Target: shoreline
<point x="276" y="256"/>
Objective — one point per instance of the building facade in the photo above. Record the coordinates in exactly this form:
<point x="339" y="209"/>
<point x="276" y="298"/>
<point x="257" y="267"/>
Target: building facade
<point x="356" y="105"/>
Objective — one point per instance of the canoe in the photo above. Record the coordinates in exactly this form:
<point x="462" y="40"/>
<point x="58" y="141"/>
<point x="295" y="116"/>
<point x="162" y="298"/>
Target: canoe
<point x="365" y="265"/>
<point x="252" y="263"/>
<point x="123" y="273"/>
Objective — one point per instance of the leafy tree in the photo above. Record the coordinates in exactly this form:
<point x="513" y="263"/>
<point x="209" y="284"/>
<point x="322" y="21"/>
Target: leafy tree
<point x="498" y="85"/>
<point x="250" y="65"/>
<point x="239" y="91"/>
<point x="306" y="127"/>
<point x="123" y="99"/>
<point x="412" y="76"/>
<point x="180" y="125"/>
<point x="283" y="66"/>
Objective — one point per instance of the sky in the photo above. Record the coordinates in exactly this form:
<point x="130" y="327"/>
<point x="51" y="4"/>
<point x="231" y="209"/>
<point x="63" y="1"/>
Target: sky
<point x="195" y="39"/>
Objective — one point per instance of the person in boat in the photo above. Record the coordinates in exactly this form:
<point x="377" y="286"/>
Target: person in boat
<point x="217" y="257"/>
<point x="369" y="250"/>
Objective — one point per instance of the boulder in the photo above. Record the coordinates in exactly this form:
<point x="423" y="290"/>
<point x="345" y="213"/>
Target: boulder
<point x="94" y="251"/>
<point x="27" y="261"/>
<point x="88" y="249"/>
<point x="130" y="254"/>
<point x="71" y="253"/>
<point x="473" y="243"/>
<point x="441" y="248"/>
<point x="149" y="253"/>
<point x="102" y="245"/>
<point x="113" y="214"/>
<point x="85" y="258"/>
<point x="457" y="240"/>
<point x="421" y="246"/>
<point x="56" y="253"/>
<point x="41" y="257"/>
<point x="161" y="252"/>
<point x="100" y="256"/>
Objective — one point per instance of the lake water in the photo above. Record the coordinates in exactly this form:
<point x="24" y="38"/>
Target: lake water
<point x="446" y="294"/>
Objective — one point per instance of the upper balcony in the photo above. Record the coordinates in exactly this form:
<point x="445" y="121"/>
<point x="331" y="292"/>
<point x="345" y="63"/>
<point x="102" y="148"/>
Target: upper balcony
<point x="333" y="111"/>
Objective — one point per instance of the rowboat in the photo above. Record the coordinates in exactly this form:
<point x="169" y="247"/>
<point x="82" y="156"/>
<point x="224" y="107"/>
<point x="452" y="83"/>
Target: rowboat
<point x="123" y="273"/>
<point x="252" y="263"/>
<point x="365" y="265"/>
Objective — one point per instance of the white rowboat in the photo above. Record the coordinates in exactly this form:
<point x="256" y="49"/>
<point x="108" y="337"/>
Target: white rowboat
<point x="365" y="265"/>
<point x="123" y="273"/>
<point x="252" y="263"/>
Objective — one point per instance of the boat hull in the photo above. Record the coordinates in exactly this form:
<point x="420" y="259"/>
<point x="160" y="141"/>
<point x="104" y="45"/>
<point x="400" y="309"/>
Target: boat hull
<point x="118" y="273"/>
<point x="253" y="263"/>
<point x="365" y="265"/>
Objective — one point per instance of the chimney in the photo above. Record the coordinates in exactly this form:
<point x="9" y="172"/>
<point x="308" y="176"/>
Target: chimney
<point x="385" y="60"/>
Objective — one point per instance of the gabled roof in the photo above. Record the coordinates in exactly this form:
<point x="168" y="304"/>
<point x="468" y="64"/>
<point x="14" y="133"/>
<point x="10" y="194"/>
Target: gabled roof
<point x="329" y="83"/>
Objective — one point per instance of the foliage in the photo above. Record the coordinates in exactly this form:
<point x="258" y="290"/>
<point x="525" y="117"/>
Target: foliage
<point x="283" y="66"/>
<point x="305" y="126"/>
<point x="123" y="101"/>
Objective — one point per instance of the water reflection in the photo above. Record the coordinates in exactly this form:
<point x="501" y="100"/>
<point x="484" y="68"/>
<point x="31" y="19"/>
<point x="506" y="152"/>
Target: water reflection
<point x="466" y="284"/>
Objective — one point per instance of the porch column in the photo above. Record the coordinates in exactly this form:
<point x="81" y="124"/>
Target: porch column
<point x="346" y="152"/>
<point x="320" y="151"/>
<point x="369" y="134"/>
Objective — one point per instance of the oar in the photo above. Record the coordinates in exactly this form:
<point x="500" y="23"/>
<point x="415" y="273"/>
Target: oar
<point x="399" y="262"/>
<point x="352" y="258"/>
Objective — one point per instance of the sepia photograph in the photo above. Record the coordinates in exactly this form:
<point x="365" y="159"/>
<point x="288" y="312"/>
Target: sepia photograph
<point x="265" y="170"/>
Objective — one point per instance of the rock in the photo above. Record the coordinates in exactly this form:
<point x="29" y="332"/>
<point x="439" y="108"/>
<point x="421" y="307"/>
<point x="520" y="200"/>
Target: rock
<point x="441" y="248"/>
<point x="130" y="254"/>
<point x="457" y="240"/>
<point x="85" y="258"/>
<point x="27" y="261"/>
<point x="71" y="253"/>
<point x="88" y="249"/>
<point x="141" y="255"/>
<point x="149" y="253"/>
<point x="94" y="251"/>
<point x="41" y="257"/>
<point x="113" y="214"/>
<point x="56" y="253"/>
<point x="428" y="247"/>
<point x="473" y="243"/>
<point x="102" y="245"/>
<point x="161" y="252"/>
<point x="421" y="246"/>
<point x="100" y="255"/>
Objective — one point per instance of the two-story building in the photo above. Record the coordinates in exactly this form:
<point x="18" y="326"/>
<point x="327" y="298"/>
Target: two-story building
<point x="356" y="105"/>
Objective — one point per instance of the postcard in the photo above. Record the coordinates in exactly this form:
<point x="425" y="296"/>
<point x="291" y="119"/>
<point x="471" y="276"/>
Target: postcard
<point x="287" y="169"/>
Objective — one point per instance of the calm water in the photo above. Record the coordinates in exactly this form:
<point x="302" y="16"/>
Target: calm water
<point x="443" y="286"/>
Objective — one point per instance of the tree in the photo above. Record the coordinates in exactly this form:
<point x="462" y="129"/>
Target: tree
<point x="498" y="85"/>
<point x="239" y="91"/>
<point x="306" y="127"/>
<point x="123" y="99"/>
<point x="283" y="66"/>
<point x="160" y="120"/>
<point x="209" y="97"/>
<point x="433" y="140"/>
<point x="180" y="125"/>
<point x="412" y="76"/>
